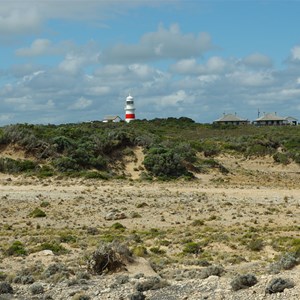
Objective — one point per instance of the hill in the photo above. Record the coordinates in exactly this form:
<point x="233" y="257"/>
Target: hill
<point x="162" y="209"/>
<point x="167" y="148"/>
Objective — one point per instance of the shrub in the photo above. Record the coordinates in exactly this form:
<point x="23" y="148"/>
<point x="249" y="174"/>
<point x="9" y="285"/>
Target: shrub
<point x="37" y="213"/>
<point x="165" y="162"/>
<point x="243" y="282"/>
<point x="9" y="165"/>
<point x="118" y="226"/>
<point x="67" y="238"/>
<point x="54" y="247"/>
<point x="256" y="245"/>
<point x="140" y="251"/>
<point x="157" y="250"/>
<point x="16" y="249"/>
<point x="281" y="158"/>
<point x="55" y="268"/>
<point x="24" y="279"/>
<point x="45" y="204"/>
<point x="36" y="288"/>
<point x="212" y="270"/>
<point x="192" y="248"/>
<point x="137" y="296"/>
<point x="197" y="222"/>
<point x="6" y="288"/>
<point x="278" y="285"/>
<point x="81" y="297"/>
<point x="288" y="261"/>
<point x="109" y="257"/>
<point x="151" y="283"/>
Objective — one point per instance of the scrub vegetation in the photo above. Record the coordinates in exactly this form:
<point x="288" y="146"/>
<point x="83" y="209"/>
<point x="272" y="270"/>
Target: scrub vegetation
<point x="171" y="147"/>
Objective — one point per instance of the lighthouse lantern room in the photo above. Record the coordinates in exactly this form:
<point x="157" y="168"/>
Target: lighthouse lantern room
<point x="129" y="109"/>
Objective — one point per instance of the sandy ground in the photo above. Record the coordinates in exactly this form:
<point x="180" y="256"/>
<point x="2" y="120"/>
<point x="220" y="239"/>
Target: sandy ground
<point x="256" y="196"/>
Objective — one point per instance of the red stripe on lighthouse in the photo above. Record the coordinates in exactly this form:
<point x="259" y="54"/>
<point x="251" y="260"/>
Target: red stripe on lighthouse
<point x="130" y="116"/>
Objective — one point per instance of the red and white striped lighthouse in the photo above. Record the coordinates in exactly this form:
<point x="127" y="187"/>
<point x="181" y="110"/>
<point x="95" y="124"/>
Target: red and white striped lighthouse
<point x="129" y="109"/>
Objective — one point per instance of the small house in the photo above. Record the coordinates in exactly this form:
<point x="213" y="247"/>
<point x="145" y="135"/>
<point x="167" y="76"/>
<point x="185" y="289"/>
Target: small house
<point x="111" y="119"/>
<point x="270" y="119"/>
<point x="231" y="119"/>
<point x="291" y="120"/>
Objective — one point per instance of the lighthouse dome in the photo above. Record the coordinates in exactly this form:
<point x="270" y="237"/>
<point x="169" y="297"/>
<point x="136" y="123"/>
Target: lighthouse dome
<point x="129" y="98"/>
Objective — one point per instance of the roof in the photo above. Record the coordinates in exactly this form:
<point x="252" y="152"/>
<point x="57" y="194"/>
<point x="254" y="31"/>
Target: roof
<point x="291" y="118"/>
<point x="111" y="118"/>
<point x="230" y="118"/>
<point x="270" y="117"/>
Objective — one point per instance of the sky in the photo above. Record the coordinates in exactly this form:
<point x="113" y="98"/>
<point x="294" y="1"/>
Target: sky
<point x="69" y="61"/>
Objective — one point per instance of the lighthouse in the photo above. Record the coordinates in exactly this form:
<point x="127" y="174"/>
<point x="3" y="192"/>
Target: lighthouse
<point x="129" y="109"/>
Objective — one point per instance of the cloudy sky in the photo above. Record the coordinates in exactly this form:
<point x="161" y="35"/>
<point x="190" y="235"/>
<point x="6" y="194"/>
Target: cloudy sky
<point x="77" y="60"/>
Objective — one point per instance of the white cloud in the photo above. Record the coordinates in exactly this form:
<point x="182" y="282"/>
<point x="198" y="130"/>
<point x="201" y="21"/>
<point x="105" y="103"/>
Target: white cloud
<point x="81" y="104"/>
<point x="27" y="103"/>
<point x="164" y="43"/>
<point x="175" y="99"/>
<point x="247" y="78"/>
<point x="17" y="20"/>
<point x="295" y="52"/>
<point x="258" y="60"/>
<point x="38" y="47"/>
<point x="27" y="17"/>
<point x="79" y="58"/>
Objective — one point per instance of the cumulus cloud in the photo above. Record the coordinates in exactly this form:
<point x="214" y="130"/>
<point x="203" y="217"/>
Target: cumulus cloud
<point x="18" y="21"/>
<point x="258" y="60"/>
<point x="164" y="43"/>
<point x="190" y="66"/>
<point x="76" y="60"/>
<point x="27" y="103"/>
<point x="38" y="47"/>
<point x="27" y="17"/>
<point x="81" y="104"/>
<point x="248" y="78"/>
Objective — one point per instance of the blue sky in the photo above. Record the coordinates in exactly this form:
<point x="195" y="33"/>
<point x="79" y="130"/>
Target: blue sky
<point x="77" y="60"/>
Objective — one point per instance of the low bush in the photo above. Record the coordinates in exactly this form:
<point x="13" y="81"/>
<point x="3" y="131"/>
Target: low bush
<point x="118" y="226"/>
<point x="16" y="249"/>
<point x="243" y="282"/>
<point x="192" y="248"/>
<point x="6" y="288"/>
<point x="278" y="285"/>
<point x="37" y="213"/>
<point x="54" y="246"/>
<point x="36" y="288"/>
<point x="109" y="257"/>
<point x="214" y="270"/>
<point x="256" y="245"/>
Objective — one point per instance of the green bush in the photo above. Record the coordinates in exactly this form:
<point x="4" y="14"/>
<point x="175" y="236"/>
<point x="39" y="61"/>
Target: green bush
<point x="165" y="162"/>
<point x="192" y="248"/>
<point x="256" y="245"/>
<point x="281" y="158"/>
<point x="118" y="226"/>
<point x="54" y="246"/>
<point x="16" y="249"/>
<point x="157" y="250"/>
<point x="37" y="213"/>
<point x="9" y="165"/>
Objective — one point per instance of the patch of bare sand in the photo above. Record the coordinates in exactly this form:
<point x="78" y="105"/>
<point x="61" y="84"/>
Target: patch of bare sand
<point x="134" y="163"/>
